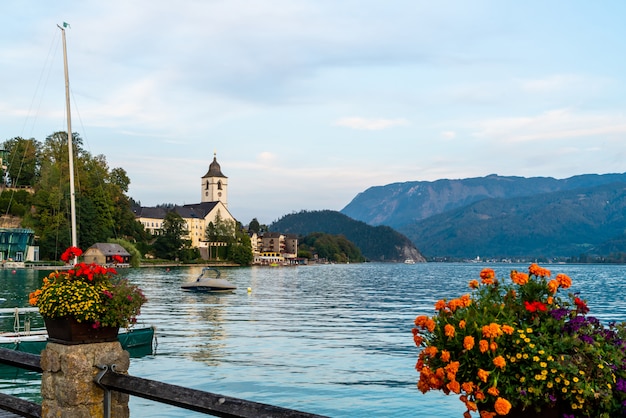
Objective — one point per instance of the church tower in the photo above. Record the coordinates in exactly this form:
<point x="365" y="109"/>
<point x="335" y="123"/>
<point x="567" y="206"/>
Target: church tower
<point x="215" y="184"/>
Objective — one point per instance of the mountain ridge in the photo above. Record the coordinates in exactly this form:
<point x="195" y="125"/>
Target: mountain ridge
<point x="503" y="216"/>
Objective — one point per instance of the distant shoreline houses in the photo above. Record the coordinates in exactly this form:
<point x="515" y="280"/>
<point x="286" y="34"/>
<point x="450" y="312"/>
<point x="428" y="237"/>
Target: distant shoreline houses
<point x="268" y="248"/>
<point x="274" y="248"/>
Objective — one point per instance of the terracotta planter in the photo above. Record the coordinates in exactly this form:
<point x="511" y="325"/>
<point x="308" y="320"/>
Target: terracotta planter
<point x="68" y="331"/>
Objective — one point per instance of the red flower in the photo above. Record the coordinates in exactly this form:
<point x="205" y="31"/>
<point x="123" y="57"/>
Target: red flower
<point x="71" y="253"/>
<point x="581" y="306"/>
<point x="535" y="306"/>
<point x="117" y="258"/>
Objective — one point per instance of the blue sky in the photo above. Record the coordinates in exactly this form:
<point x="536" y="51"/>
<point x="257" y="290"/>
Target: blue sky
<point x="309" y="102"/>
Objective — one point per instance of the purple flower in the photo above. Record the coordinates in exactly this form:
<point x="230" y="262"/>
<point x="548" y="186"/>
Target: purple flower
<point x="559" y="314"/>
<point x="621" y="385"/>
<point x="586" y="338"/>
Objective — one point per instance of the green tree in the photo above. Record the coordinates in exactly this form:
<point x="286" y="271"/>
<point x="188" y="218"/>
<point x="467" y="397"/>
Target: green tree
<point x="170" y="243"/>
<point x="23" y="161"/>
<point x="254" y="226"/>
<point x="240" y="251"/>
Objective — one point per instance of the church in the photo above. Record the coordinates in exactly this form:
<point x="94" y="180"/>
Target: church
<point x="197" y="216"/>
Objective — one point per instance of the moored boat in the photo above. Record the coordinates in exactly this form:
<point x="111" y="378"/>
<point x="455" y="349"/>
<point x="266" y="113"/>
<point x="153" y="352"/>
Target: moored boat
<point x="138" y="338"/>
<point x="205" y="283"/>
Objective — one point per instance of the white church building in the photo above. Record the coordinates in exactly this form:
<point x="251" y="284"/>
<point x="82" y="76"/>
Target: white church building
<point x="213" y="204"/>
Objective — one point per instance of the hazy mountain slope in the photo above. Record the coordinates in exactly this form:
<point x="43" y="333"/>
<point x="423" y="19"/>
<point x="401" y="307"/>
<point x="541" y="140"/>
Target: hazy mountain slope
<point x="379" y="243"/>
<point x="400" y="204"/>
<point x="564" y="223"/>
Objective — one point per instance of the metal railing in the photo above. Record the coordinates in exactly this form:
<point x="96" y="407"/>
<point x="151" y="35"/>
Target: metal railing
<point x="179" y="396"/>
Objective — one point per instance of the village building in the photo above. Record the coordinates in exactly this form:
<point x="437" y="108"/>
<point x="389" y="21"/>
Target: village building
<point x="267" y="248"/>
<point x="213" y="205"/>
<point x="102" y="254"/>
<point x="271" y="248"/>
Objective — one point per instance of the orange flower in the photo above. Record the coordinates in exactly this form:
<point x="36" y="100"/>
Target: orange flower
<point x="492" y="330"/>
<point x="493" y="346"/>
<point x="487" y="276"/>
<point x="462" y="324"/>
<point x="468" y="387"/>
<point x="468" y="342"/>
<point x="420" y="321"/>
<point x="473" y="284"/>
<point x="564" y="281"/>
<point x="430" y="351"/>
<point x="499" y="362"/>
<point x="553" y="286"/>
<point x="449" y="330"/>
<point x="519" y="278"/>
<point x="483" y="375"/>
<point x="487" y="414"/>
<point x="418" y="339"/>
<point x="465" y="301"/>
<point x="493" y="391"/>
<point x="483" y="345"/>
<point x="538" y="271"/>
<point x="454" y="304"/>
<point x="441" y="304"/>
<point x="507" y="329"/>
<point x="430" y="325"/>
<point x="445" y="356"/>
<point x="453" y="367"/>
<point x="454" y="386"/>
<point x="502" y="406"/>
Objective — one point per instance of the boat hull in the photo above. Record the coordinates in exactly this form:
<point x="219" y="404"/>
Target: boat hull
<point x="138" y="341"/>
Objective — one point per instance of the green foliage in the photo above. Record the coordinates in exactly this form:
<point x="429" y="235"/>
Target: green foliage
<point x="102" y="209"/>
<point x="254" y="226"/>
<point x="379" y="243"/>
<point x="170" y="245"/>
<point x="335" y="248"/>
<point x="23" y="161"/>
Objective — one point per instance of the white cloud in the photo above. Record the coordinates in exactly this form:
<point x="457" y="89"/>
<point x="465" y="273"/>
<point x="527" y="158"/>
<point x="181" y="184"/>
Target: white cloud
<point x="370" y="124"/>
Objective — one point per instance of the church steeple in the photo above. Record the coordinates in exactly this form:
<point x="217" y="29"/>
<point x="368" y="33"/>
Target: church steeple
<point x="214" y="184"/>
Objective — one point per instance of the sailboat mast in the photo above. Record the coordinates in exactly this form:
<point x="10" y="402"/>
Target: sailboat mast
<point x="69" y="142"/>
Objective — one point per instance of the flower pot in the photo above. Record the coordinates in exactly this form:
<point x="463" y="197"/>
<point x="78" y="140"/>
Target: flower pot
<point x="69" y="331"/>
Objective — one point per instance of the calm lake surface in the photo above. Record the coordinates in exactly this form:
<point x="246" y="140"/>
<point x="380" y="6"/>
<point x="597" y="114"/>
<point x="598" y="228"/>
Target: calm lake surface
<point x="333" y="340"/>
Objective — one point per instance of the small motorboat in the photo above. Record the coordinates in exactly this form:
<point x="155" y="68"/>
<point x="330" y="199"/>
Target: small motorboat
<point x="206" y="283"/>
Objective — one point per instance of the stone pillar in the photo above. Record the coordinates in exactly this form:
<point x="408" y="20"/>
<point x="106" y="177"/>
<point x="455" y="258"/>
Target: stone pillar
<point x="67" y="384"/>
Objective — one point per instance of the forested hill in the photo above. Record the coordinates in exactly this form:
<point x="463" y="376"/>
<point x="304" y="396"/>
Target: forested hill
<point x="400" y="204"/>
<point x="582" y="223"/>
<point x="379" y="243"/>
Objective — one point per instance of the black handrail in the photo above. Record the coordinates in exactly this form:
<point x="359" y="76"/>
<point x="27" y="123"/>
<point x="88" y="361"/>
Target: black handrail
<point x="196" y="400"/>
<point x="13" y="403"/>
<point x="182" y="397"/>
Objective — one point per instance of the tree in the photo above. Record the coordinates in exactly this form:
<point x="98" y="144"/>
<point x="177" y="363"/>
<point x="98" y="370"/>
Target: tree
<point x="240" y="251"/>
<point x="254" y="226"/>
<point x="23" y="161"/>
<point x="170" y="243"/>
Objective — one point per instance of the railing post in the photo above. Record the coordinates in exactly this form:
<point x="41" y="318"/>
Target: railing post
<point x="69" y="382"/>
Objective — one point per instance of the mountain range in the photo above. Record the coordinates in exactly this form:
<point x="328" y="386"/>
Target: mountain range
<point x="502" y="216"/>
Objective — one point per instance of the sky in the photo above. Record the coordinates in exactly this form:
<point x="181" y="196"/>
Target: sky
<point x="307" y="103"/>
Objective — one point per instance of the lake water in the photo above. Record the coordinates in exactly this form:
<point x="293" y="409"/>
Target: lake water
<point x="333" y="340"/>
